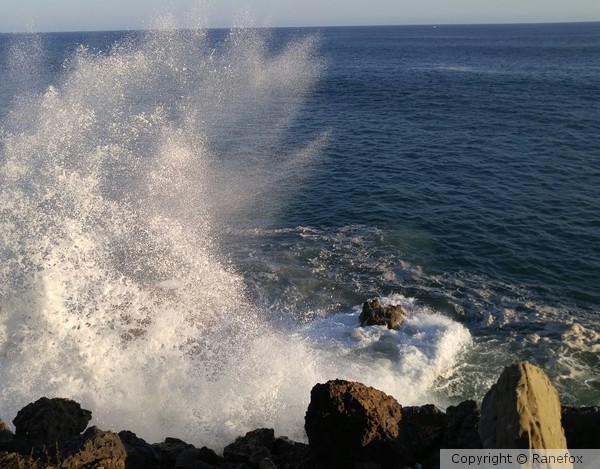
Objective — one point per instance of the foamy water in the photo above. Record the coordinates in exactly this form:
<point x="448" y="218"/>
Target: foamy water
<point x="115" y="185"/>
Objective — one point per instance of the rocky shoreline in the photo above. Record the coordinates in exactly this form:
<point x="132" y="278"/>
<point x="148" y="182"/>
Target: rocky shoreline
<point x="348" y="424"/>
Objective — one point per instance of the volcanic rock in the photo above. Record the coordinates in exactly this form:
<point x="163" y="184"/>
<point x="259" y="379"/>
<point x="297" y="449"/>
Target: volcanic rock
<point x="255" y="445"/>
<point x="348" y="422"/>
<point x="582" y="427"/>
<point x="95" y="448"/>
<point x="374" y="314"/>
<point x="51" y="420"/>
<point x="522" y="410"/>
<point x="462" y="430"/>
<point x="422" y="429"/>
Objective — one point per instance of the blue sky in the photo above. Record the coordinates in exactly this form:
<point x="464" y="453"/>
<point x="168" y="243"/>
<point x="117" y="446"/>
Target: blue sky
<point x="79" y="15"/>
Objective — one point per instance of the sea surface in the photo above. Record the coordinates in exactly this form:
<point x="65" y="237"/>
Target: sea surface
<point x="190" y="220"/>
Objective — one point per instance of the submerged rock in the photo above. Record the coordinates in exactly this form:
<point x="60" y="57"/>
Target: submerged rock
<point x="522" y="410"/>
<point x="374" y="314"/>
<point x="348" y="422"/>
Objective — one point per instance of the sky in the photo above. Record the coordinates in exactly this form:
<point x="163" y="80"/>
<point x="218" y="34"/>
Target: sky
<point x="89" y="15"/>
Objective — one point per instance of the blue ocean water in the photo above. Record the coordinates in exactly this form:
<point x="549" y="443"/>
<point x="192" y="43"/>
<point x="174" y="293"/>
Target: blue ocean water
<point x="200" y="215"/>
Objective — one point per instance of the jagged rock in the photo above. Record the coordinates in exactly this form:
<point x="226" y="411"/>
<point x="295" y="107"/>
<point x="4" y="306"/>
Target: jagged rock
<point x="51" y="420"/>
<point x="348" y="422"/>
<point x="522" y="410"/>
<point x="95" y="449"/>
<point x="170" y="449"/>
<point x="462" y="430"/>
<point x="582" y="427"/>
<point x="422" y="429"/>
<point x="194" y="458"/>
<point x="374" y="314"/>
<point x="244" y="447"/>
<point x="140" y="455"/>
<point x="15" y="461"/>
<point x="290" y="454"/>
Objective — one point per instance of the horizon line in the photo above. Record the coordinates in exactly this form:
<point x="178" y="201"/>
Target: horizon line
<point x="434" y="25"/>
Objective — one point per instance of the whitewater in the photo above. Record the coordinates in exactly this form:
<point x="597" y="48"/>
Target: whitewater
<point x="118" y="183"/>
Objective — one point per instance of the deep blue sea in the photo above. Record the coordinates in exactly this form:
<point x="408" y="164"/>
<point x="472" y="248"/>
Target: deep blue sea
<point x="191" y="220"/>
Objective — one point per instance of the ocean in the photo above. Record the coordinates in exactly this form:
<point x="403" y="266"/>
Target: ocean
<point x="190" y="220"/>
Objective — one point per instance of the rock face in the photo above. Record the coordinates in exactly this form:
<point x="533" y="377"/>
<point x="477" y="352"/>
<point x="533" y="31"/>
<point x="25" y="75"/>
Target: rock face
<point x="462" y="430"/>
<point x="582" y="425"/>
<point x="348" y="422"/>
<point x="51" y="420"/>
<point x="95" y="448"/>
<point x="522" y="410"/>
<point x="374" y="314"/>
<point x="422" y="428"/>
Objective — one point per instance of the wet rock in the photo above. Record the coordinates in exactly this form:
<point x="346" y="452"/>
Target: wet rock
<point x="95" y="448"/>
<point x="522" y="410"/>
<point x="582" y="427"/>
<point x="348" y="422"/>
<point x="244" y="447"/>
<point x="51" y="420"/>
<point x="374" y="314"/>
<point x="462" y="430"/>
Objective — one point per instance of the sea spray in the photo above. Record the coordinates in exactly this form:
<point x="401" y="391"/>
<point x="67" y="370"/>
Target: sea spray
<point x="117" y="182"/>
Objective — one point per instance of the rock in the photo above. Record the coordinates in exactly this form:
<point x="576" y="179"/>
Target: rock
<point x="462" y="430"/>
<point x="51" y="420"/>
<point x="95" y="448"/>
<point x="140" y="455"/>
<point x="522" y="410"/>
<point x="374" y="314"/>
<point x="5" y="434"/>
<point x="422" y="429"/>
<point x="290" y="454"/>
<point x="348" y="422"/>
<point x="170" y="449"/>
<point x="243" y="448"/>
<point x="16" y="461"/>
<point x="194" y="458"/>
<point x="582" y="427"/>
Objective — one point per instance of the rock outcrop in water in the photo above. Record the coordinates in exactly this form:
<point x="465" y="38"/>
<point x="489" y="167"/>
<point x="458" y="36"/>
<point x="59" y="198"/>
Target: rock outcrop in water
<point x="374" y="314"/>
<point x="348" y="425"/>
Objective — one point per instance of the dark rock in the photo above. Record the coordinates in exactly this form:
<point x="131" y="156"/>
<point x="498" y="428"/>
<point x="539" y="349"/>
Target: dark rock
<point x="95" y="448"/>
<point x="374" y="314"/>
<point x="51" y="420"/>
<point x="522" y="411"/>
<point x="170" y="449"/>
<point x="348" y="422"/>
<point x="582" y="427"/>
<point x="290" y="454"/>
<point x="422" y="429"/>
<point x="140" y="455"/>
<point x="244" y="447"/>
<point x="194" y="458"/>
<point x="462" y="431"/>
